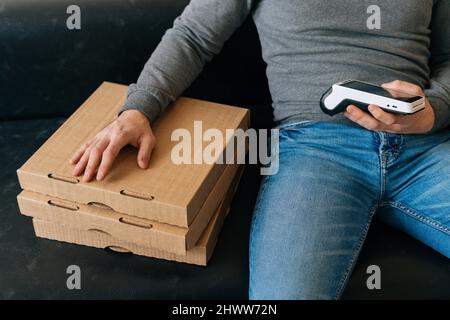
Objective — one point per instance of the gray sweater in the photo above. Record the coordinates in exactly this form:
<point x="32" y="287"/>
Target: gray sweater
<point x="307" y="45"/>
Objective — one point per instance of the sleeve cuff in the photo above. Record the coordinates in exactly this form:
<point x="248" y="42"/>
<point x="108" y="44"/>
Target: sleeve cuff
<point x="144" y="102"/>
<point x="441" y="113"/>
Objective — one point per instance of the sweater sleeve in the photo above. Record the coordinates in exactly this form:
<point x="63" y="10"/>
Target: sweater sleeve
<point x="197" y="35"/>
<point x="438" y="91"/>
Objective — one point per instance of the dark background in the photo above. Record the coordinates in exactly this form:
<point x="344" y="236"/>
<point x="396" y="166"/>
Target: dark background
<point x="47" y="71"/>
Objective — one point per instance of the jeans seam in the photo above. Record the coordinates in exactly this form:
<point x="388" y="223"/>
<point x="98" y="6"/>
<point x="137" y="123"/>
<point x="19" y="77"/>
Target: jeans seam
<point x="355" y="253"/>
<point x="252" y="224"/>
<point x="258" y="207"/>
<point x="382" y="157"/>
<point x="418" y="216"/>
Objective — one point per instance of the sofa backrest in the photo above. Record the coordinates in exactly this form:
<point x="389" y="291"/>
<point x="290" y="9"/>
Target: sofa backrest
<point x="47" y="70"/>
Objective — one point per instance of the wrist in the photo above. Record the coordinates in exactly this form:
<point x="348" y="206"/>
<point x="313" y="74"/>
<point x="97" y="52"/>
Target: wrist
<point x="135" y="115"/>
<point x="441" y="113"/>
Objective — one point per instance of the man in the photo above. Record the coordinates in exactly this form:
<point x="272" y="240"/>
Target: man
<point x="311" y="218"/>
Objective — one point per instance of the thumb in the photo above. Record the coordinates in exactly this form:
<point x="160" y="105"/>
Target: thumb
<point x="394" y="83"/>
<point x="145" y="146"/>
<point x="403" y="86"/>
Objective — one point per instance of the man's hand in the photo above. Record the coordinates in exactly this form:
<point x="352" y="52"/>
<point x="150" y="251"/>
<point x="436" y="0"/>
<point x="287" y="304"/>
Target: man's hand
<point x="379" y="120"/>
<point x="96" y="156"/>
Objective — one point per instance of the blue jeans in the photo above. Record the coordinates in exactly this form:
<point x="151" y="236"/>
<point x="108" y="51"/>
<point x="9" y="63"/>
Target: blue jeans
<point x="312" y="217"/>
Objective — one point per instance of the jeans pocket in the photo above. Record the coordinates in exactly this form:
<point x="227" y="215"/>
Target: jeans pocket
<point x="294" y="125"/>
<point x="292" y="130"/>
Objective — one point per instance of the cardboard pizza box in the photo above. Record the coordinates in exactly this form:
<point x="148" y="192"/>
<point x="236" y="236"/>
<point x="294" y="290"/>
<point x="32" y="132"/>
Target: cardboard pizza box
<point x="199" y="254"/>
<point x="166" y="192"/>
<point x="127" y="228"/>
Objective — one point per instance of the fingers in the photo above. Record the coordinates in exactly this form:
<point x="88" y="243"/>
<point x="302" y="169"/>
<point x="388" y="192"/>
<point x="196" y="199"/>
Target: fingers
<point x="145" y="150"/>
<point x="77" y="155"/>
<point x="110" y="153"/>
<point x="95" y="156"/>
<point x="79" y="168"/>
<point x="379" y="120"/>
<point x="108" y="157"/>
<point x="362" y="118"/>
<point x="404" y="86"/>
<point x="383" y="116"/>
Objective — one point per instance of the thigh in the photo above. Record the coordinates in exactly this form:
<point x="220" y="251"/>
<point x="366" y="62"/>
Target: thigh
<point x="311" y="218"/>
<point x="419" y="191"/>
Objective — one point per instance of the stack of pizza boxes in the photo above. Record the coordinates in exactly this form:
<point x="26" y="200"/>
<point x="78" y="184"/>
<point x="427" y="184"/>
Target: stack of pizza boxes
<point x="173" y="210"/>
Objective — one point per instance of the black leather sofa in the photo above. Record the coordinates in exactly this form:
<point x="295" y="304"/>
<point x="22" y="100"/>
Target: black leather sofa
<point x="46" y="71"/>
